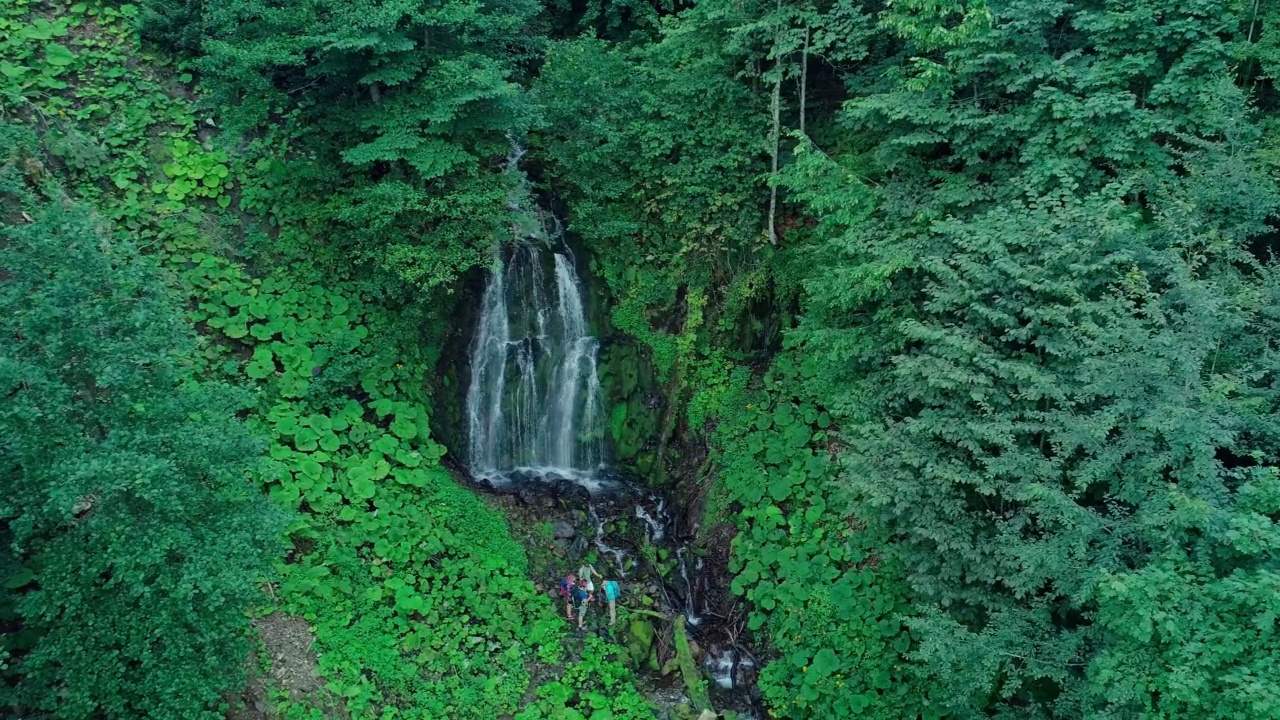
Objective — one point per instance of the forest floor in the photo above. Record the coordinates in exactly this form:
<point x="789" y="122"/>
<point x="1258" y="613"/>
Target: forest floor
<point x="284" y="664"/>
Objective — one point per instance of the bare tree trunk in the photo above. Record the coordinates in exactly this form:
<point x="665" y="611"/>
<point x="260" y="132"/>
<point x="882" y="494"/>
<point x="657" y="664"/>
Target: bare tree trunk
<point x="1248" y="76"/>
<point x="777" y="127"/>
<point x="804" y="75"/>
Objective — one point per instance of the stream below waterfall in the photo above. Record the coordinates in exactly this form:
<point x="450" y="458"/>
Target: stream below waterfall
<point x="535" y="420"/>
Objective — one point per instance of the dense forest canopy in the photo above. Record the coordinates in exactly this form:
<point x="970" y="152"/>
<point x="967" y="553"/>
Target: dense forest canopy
<point x="958" y="318"/>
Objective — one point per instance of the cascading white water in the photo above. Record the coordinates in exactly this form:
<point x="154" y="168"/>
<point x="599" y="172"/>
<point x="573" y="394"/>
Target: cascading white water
<point x="534" y="402"/>
<point x="619" y="557"/>
<point x="690" y="614"/>
<point x="722" y="666"/>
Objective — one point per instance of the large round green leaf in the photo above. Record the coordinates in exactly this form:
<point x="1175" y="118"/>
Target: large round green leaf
<point x="58" y="55"/>
<point x="362" y="488"/>
<point x="329" y="441"/>
<point x="306" y="439"/>
<point x="261" y="365"/>
<point x="404" y="427"/>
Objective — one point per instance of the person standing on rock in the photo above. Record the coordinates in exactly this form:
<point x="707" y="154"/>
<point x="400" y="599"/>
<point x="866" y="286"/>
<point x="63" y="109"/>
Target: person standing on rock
<point x="568" y="586"/>
<point x="581" y="598"/>
<point x="611" y="593"/>
<point x="585" y="573"/>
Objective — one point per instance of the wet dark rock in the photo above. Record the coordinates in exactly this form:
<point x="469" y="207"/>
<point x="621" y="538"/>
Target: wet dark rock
<point x="563" y="529"/>
<point x="522" y="477"/>
<point x="573" y="495"/>
<point x="528" y="496"/>
<point x="652" y="401"/>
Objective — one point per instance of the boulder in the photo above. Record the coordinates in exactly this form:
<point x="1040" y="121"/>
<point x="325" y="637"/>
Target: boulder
<point x="522" y="477"/>
<point x="639" y="640"/>
<point x="528" y="496"/>
<point x="562" y="530"/>
<point x="695" y="650"/>
<point x="573" y="495"/>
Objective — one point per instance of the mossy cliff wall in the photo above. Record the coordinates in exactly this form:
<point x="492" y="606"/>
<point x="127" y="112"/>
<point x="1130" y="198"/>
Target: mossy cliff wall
<point x="448" y="385"/>
<point x="634" y="403"/>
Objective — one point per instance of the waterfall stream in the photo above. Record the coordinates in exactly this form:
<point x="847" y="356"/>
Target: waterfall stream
<point x="534" y="402"/>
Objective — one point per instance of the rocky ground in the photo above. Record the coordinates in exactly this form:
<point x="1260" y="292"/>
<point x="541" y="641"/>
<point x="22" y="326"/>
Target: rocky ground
<point x="562" y="526"/>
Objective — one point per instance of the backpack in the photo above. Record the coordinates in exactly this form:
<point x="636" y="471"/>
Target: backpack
<point x="565" y="587"/>
<point x="612" y="590"/>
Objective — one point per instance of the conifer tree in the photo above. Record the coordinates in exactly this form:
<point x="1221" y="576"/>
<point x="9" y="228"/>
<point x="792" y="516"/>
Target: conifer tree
<point x="1041" y="322"/>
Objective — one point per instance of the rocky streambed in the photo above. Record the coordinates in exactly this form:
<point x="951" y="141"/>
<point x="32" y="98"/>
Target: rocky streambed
<point x="676" y="603"/>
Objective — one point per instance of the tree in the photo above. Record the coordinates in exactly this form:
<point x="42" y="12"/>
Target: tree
<point x="1045" y="339"/>
<point x="389" y="116"/>
<point x="133" y="539"/>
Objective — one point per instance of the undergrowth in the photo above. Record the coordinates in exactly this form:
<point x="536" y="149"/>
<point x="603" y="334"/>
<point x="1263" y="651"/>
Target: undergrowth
<point x="416" y="591"/>
<point x="828" y="605"/>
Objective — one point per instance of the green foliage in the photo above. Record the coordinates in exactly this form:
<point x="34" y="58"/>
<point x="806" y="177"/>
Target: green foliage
<point x="385" y="118"/>
<point x="194" y="171"/>
<point x="415" y="588"/>
<point x="1182" y="641"/>
<point x="121" y="124"/>
<point x="35" y="56"/>
<point x="1016" y="460"/>
<point x="597" y="687"/>
<point x="1035" y="316"/>
<point x="133" y="539"/>
<point x="828" y="602"/>
<point x="657" y="159"/>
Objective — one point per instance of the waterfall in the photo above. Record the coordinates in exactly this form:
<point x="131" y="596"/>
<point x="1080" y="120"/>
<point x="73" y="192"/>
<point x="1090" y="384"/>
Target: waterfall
<point x="534" y="401"/>
<point x="536" y="419"/>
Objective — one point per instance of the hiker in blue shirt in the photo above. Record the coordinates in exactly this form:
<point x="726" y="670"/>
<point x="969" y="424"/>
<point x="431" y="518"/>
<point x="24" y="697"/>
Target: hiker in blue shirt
<point x="611" y="593"/>
<point x="581" y="597"/>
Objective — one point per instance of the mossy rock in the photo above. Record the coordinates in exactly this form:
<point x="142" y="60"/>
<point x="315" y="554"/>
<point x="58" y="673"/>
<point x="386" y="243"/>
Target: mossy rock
<point x="640" y="646"/>
<point x="643" y="464"/>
